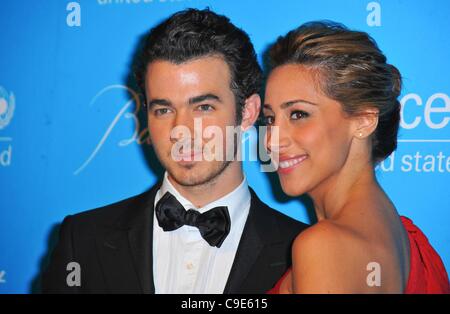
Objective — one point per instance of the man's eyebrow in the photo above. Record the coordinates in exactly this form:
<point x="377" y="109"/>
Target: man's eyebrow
<point x="192" y="100"/>
<point x="158" y="101"/>
<point x="290" y="103"/>
<point x="204" y="97"/>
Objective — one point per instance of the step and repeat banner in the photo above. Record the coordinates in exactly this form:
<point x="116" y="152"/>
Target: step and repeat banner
<point x="72" y="139"/>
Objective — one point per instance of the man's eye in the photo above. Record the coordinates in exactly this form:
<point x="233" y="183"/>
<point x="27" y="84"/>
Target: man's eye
<point x="269" y="120"/>
<point x="299" y="114"/>
<point x="205" y="108"/>
<point x="161" y="111"/>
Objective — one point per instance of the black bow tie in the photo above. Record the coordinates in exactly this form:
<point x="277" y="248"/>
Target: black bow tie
<point x="214" y="225"/>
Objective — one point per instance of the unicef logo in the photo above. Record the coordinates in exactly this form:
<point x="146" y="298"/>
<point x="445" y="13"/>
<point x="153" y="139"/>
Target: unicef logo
<point x="7" y="105"/>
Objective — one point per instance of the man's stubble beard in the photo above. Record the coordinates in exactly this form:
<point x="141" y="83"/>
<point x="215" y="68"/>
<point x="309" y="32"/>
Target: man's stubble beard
<point x="212" y="177"/>
<point x="209" y="179"/>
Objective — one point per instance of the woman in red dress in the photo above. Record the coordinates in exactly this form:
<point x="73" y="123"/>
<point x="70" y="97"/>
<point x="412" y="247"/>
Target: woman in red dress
<point x="333" y="97"/>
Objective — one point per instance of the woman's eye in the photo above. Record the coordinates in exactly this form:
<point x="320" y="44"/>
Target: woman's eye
<point x="161" y="111"/>
<point x="268" y="120"/>
<point x="205" y="107"/>
<point x="299" y="114"/>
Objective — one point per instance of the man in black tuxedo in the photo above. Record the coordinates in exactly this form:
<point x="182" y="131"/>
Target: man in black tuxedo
<point x="201" y="229"/>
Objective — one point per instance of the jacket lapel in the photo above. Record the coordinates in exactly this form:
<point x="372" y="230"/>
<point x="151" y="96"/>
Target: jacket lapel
<point x="255" y="240"/>
<point x="141" y="249"/>
<point x="249" y="248"/>
<point x="126" y="248"/>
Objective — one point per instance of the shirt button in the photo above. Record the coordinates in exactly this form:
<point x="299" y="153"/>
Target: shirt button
<point x="189" y="266"/>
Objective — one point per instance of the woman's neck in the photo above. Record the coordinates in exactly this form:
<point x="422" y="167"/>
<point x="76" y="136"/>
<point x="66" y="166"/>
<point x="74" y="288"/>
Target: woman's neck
<point x="334" y="193"/>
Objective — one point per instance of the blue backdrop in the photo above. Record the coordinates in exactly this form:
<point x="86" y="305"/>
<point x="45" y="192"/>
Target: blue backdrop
<point x="68" y="132"/>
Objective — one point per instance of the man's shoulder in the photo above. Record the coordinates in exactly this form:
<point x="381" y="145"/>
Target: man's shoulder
<point x="286" y="221"/>
<point x="273" y="215"/>
<point x="111" y="213"/>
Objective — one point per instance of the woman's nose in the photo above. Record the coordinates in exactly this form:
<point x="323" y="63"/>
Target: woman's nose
<point x="277" y="139"/>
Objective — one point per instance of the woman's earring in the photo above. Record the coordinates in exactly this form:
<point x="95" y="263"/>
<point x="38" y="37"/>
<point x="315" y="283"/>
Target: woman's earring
<point x="360" y="134"/>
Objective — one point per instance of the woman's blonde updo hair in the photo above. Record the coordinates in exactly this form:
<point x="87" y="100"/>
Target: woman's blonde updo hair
<point x="352" y="70"/>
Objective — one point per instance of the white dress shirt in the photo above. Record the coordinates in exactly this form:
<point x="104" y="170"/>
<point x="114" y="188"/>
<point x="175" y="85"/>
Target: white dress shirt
<point x="183" y="262"/>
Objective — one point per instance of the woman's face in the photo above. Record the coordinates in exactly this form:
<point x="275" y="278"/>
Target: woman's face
<point x="315" y="134"/>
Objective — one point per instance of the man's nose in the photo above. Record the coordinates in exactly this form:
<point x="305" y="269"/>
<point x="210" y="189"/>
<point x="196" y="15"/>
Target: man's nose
<point x="183" y="128"/>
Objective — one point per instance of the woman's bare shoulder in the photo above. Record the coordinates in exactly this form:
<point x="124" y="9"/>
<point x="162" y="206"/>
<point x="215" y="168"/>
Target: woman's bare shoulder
<point x="326" y="233"/>
<point x="328" y="258"/>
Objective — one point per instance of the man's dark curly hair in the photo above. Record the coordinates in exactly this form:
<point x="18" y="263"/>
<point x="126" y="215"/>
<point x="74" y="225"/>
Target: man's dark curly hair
<point x="192" y="33"/>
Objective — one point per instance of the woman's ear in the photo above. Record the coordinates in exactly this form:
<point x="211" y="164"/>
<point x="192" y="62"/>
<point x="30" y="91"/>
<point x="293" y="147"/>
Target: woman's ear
<point x="251" y="111"/>
<point x="366" y="123"/>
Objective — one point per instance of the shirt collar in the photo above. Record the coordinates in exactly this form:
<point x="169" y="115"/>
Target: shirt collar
<point x="236" y="201"/>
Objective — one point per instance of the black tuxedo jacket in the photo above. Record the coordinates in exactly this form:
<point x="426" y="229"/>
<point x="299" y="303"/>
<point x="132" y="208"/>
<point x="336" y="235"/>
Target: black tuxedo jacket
<point x="113" y="246"/>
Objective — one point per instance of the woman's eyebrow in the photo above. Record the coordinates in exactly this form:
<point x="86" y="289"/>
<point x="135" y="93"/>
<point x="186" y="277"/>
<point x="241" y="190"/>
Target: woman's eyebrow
<point x="290" y="103"/>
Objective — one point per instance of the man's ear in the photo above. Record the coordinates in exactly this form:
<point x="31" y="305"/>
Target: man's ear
<point x="148" y="140"/>
<point x="251" y="111"/>
<point x="366" y="123"/>
<point x="145" y="109"/>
